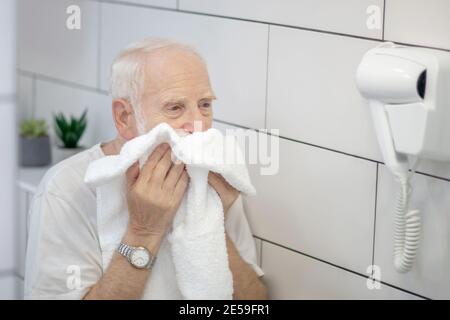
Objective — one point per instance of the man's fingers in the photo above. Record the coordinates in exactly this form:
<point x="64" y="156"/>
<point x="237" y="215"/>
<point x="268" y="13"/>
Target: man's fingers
<point x="173" y="176"/>
<point x="161" y="169"/>
<point x="181" y="186"/>
<point x="132" y="174"/>
<point x="152" y="161"/>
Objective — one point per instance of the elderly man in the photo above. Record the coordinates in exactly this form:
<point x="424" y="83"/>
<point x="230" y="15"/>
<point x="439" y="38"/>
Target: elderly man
<point x="153" y="81"/>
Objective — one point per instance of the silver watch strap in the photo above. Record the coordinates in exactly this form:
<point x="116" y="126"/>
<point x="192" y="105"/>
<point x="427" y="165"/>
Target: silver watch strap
<point x="126" y="250"/>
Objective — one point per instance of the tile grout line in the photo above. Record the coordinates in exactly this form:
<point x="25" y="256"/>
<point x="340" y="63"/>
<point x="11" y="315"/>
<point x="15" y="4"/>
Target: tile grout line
<point x="199" y="13"/>
<point x="337" y="266"/>
<point x="384" y="19"/>
<point x="106" y="93"/>
<point x="77" y="86"/>
<point x="66" y="83"/>
<point x="420" y="46"/>
<point x="128" y="4"/>
<point x="99" y="42"/>
<point x="308" y="255"/>
<point x="298" y="141"/>
<point x="267" y="76"/>
<point x="260" y="252"/>
<point x="375" y="218"/>
<point x="327" y="149"/>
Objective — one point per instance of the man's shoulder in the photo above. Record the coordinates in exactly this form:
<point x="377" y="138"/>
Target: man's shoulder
<point x="67" y="177"/>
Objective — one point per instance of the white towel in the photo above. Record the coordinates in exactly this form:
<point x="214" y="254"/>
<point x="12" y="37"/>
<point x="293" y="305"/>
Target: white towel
<point x="197" y="238"/>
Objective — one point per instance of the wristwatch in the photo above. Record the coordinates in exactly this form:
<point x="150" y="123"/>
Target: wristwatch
<point x="139" y="257"/>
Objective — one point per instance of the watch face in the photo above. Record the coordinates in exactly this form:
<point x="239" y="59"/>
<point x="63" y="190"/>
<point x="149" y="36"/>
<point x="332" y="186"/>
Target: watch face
<point x="139" y="257"/>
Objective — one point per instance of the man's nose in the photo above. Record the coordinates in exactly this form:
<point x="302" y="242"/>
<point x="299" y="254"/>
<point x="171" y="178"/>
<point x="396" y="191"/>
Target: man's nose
<point x="194" y="122"/>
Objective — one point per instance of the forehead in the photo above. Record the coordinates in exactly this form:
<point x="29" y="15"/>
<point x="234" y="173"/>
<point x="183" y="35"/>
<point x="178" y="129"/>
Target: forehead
<point x="171" y="72"/>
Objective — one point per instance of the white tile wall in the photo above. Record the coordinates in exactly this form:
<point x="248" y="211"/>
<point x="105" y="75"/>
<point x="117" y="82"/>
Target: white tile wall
<point x="52" y="98"/>
<point x="429" y="276"/>
<point x="344" y="16"/>
<point x="237" y="65"/>
<point x="47" y="47"/>
<point x="314" y="190"/>
<point x="322" y="202"/>
<point x="290" y="275"/>
<point x="8" y="221"/>
<point x="312" y="95"/>
<point x="418" y="22"/>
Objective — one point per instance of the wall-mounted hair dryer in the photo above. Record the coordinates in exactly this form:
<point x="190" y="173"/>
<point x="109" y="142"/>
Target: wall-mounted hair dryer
<point x="409" y="96"/>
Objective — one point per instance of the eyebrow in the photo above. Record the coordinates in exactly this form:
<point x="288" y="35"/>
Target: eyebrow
<point x="209" y="97"/>
<point x="174" y="100"/>
<point x="183" y="99"/>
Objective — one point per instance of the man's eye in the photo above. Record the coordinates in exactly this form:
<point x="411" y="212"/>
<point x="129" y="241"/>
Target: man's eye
<point x="206" y="105"/>
<point x="175" y="108"/>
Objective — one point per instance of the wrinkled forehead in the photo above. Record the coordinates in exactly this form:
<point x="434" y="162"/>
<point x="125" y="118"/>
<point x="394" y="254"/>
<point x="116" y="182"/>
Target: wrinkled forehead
<point x="172" y="68"/>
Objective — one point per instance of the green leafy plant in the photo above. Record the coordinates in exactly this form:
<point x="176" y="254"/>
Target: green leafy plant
<point x="70" y="131"/>
<point x="33" y="128"/>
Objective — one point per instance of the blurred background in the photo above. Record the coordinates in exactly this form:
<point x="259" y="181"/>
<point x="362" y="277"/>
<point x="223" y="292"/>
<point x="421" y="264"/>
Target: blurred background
<point x="326" y="217"/>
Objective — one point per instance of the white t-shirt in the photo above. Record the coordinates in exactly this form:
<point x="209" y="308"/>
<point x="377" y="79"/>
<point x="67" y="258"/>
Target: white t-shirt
<point x="64" y="258"/>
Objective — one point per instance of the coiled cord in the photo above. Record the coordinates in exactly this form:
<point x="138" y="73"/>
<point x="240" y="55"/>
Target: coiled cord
<point x="407" y="227"/>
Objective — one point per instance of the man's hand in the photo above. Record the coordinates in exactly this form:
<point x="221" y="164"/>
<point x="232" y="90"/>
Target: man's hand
<point x="226" y="192"/>
<point x="154" y="195"/>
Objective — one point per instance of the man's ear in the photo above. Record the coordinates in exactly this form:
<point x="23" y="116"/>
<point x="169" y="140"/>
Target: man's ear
<point x="123" y="115"/>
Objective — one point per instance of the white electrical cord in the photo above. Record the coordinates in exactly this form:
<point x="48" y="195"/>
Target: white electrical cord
<point x="407" y="225"/>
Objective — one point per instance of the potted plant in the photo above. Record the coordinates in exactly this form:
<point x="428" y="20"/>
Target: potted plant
<point x="69" y="132"/>
<point x="34" y="143"/>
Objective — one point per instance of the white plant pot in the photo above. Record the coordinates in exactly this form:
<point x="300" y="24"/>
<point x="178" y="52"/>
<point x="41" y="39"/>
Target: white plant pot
<point x="60" y="153"/>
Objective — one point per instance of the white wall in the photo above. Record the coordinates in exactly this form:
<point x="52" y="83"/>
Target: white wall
<point x="9" y="281"/>
<point x="290" y="65"/>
